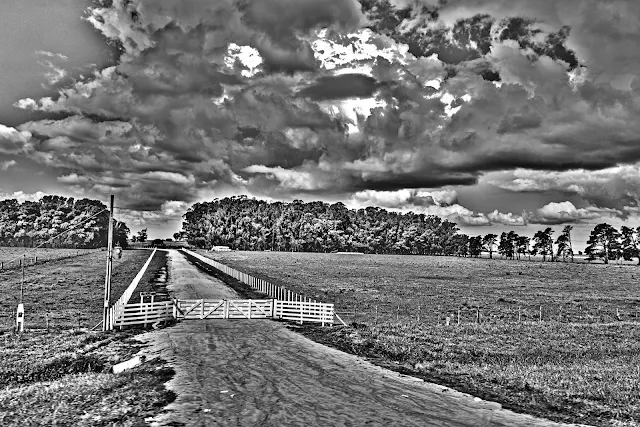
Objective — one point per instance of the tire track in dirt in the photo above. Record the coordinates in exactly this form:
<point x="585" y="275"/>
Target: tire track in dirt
<point x="259" y="373"/>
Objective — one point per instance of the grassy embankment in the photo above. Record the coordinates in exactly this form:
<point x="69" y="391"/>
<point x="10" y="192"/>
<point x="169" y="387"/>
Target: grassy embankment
<point x="579" y="364"/>
<point x="61" y="376"/>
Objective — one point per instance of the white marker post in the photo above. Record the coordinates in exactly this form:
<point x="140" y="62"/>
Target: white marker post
<point x="20" y="318"/>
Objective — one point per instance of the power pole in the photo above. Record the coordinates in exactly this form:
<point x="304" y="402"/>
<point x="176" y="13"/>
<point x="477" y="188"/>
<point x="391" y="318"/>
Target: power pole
<point x="107" y="279"/>
<point x="24" y="260"/>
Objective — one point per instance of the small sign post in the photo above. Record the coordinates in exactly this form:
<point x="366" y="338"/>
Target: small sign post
<point x="20" y="318"/>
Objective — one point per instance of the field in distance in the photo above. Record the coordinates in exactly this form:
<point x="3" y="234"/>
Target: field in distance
<point x="11" y="257"/>
<point x="578" y="364"/>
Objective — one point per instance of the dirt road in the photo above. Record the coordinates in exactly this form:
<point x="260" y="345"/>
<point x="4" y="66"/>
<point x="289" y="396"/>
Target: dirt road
<point x="259" y="373"/>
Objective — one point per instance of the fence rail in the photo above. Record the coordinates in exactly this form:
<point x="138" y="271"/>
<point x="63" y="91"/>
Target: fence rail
<point x="142" y="313"/>
<point x="42" y="257"/>
<point x="126" y="295"/>
<point x="183" y="309"/>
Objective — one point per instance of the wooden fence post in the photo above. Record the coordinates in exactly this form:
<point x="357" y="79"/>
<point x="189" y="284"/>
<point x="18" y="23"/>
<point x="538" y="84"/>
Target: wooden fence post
<point x="301" y="311"/>
<point x="519" y="314"/>
<point x="540" y="315"/>
<point x="458" y="316"/>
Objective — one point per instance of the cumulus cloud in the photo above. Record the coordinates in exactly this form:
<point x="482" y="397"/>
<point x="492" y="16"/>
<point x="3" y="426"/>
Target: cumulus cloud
<point x="614" y="188"/>
<point x="13" y="141"/>
<point x="279" y="98"/>
<point x="443" y="203"/>
<point x="7" y="164"/>
<point x="565" y="212"/>
<point x="21" y="196"/>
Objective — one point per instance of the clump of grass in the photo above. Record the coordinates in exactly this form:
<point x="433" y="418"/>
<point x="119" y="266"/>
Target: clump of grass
<point x="75" y="387"/>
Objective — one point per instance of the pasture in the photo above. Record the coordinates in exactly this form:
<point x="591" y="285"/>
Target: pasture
<point x="575" y="360"/>
<point x="66" y="293"/>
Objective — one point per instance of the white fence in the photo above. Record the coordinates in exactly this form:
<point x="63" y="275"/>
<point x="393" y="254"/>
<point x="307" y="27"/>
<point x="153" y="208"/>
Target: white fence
<point x="151" y="313"/>
<point x="285" y="304"/>
<point x="142" y="313"/>
<point x="124" y="298"/>
<point x="277" y="292"/>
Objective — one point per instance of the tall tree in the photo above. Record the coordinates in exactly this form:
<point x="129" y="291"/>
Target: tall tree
<point x="544" y="243"/>
<point x="522" y="245"/>
<point x="507" y="245"/>
<point x="142" y="235"/>
<point x="630" y="243"/>
<point x="563" y="243"/>
<point x="489" y="243"/>
<point x="475" y="246"/>
<point x="604" y="242"/>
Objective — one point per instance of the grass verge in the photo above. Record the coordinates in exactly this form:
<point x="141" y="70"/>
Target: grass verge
<point x="75" y="387"/>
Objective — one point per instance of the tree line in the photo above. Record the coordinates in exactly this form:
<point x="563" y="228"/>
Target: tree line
<point x="249" y="224"/>
<point x="76" y="223"/>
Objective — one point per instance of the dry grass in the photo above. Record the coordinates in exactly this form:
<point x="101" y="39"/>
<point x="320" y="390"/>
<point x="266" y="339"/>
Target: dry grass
<point x="579" y="364"/>
<point x="74" y="387"/>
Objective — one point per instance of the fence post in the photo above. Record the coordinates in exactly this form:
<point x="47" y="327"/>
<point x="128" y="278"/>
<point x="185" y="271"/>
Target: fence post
<point x="540" y="315"/>
<point x="458" y="316"/>
<point x="249" y="309"/>
<point x="301" y="311"/>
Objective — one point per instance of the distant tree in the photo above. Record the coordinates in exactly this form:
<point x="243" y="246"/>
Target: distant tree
<point x="142" y="235"/>
<point x="475" y="246"/>
<point x="604" y="242"/>
<point x="544" y="243"/>
<point x="630" y="243"/>
<point x="507" y="245"/>
<point x="489" y="243"/>
<point x="522" y="245"/>
<point x="177" y="236"/>
<point x="563" y="243"/>
<point x="121" y="234"/>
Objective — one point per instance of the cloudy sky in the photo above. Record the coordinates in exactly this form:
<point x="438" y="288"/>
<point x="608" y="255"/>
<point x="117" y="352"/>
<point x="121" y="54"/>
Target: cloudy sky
<point x="498" y="114"/>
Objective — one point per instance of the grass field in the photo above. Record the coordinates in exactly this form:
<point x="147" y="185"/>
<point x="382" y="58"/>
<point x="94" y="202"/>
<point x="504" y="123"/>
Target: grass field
<point x="579" y="364"/>
<point x="63" y="376"/>
<point x="12" y="257"/>
<point x="68" y="292"/>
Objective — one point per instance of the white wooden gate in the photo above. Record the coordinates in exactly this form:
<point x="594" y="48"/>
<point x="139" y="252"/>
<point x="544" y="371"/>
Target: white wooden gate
<point x="224" y="309"/>
<point x="191" y="309"/>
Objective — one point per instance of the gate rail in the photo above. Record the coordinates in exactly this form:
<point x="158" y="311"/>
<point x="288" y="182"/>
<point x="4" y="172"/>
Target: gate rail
<point x="191" y="309"/>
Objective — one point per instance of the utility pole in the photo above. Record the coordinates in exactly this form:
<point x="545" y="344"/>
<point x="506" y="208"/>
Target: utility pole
<point x="107" y="279"/>
<point x="24" y="260"/>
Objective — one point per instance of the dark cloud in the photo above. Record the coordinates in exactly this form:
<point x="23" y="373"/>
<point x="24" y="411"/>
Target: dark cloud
<point x="283" y="98"/>
<point x="342" y="86"/>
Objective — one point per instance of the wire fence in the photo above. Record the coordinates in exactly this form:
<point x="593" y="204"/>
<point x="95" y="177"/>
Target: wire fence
<point x="41" y="256"/>
<point x="367" y="313"/>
